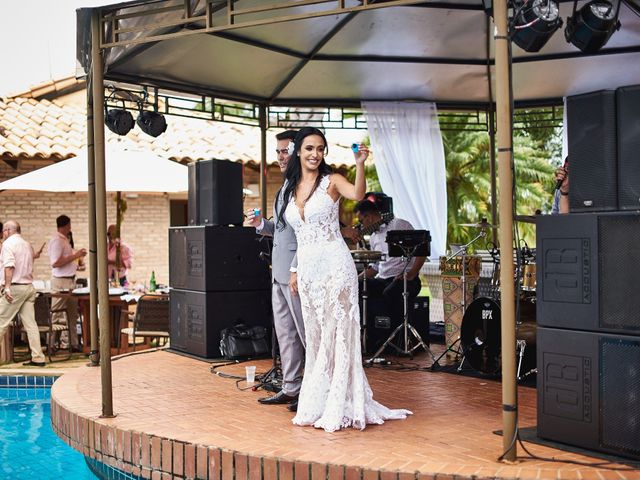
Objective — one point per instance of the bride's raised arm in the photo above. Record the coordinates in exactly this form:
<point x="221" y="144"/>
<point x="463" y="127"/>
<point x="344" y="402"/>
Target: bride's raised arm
<point x="343" y="187"/>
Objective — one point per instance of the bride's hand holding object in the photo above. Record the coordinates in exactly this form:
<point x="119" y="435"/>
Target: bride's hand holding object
<point x="360" y="152"/>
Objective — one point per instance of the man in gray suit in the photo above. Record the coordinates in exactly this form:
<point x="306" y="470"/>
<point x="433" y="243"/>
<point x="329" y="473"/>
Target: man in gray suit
<point x="287" y="314"/>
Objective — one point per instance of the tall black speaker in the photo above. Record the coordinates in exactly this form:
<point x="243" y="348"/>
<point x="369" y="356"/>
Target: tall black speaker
<point x="215" y="193"/>
<point x="628" y="115"/>
<point x="198" y="317"/>
<point x="591" y="136"/>
<point x="587" y="271"/>
<point x="588" y="386"/>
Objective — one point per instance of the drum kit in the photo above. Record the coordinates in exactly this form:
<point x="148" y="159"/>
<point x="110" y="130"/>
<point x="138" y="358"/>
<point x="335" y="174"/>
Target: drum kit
<point x="480" y="332"/>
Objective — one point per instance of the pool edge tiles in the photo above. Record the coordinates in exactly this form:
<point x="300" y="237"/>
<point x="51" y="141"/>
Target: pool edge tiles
<point x="27" y="381"/>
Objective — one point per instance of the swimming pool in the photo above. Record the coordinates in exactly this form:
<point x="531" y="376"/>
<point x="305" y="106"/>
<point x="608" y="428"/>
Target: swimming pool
<point x="28" y="447"/>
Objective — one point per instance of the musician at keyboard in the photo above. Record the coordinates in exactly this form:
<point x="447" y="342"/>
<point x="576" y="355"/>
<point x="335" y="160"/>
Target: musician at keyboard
<point x="384" y="278"/>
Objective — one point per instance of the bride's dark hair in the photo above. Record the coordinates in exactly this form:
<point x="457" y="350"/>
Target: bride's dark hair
<point x="293" y="174"/>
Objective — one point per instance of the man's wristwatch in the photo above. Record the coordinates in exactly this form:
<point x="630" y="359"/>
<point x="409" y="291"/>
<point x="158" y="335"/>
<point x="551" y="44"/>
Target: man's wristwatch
<point x="564" y="193"/>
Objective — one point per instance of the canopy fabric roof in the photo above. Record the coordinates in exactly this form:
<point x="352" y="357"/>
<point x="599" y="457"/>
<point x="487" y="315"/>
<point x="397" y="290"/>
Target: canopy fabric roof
<point x="431" y="51"/>
<point x="126" y="171"/>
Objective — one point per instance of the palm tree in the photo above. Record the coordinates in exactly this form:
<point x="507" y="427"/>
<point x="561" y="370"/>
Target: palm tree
<point x="467" y="157"/>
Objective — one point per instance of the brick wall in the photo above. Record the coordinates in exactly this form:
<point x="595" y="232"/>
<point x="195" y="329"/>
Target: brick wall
<point x="144" y="228"/>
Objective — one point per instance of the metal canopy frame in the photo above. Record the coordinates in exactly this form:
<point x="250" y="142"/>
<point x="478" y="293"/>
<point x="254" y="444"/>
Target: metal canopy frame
<point x="125" y="32"/>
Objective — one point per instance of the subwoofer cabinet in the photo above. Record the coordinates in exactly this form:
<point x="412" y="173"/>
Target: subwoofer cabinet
<point x="218" y="258"/>
<point x="588" y="387"/>
<point x="587" y="272"/>
<point x="198" y="317"/>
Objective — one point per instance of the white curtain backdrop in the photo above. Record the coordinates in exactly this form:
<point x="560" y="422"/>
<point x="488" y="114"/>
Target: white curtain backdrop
<point x="409" y="157"/>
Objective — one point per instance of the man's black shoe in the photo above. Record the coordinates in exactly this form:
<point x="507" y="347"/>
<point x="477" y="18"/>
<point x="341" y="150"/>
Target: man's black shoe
<point x="31" y="363"/>
<point x="293" y="406"/>
<point x="279" y="398"/>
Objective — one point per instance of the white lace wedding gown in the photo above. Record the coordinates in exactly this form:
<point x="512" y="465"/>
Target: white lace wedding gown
<point x="335" y="392"/>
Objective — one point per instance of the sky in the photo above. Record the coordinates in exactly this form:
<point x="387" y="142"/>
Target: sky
<point x="38" y="41"/>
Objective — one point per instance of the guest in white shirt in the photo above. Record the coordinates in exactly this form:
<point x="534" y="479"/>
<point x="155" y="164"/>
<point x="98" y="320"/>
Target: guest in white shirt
<point x="16" y="283"/>
<point x="64" y="264"/>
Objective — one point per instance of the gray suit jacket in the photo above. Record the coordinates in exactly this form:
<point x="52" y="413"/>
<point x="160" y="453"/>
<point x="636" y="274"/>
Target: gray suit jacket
<point x="285" y="245"/>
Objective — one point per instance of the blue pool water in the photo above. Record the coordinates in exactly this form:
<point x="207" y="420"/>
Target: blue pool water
<point x="28" y="447"/>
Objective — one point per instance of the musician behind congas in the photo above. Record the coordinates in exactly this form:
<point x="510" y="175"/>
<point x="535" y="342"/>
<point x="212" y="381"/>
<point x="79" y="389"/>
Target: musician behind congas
<point x="384" y="278"/>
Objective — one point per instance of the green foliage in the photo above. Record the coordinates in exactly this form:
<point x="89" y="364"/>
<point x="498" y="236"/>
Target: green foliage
<point x="467" y="159"/>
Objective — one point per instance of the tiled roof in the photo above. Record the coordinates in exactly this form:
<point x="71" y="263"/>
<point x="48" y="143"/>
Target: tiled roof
<point x="51" y="88"/>
<point x="44" y="129"/>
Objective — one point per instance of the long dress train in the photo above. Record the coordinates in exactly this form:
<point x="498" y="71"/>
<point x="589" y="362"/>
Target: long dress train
<point x="335" y="392"/>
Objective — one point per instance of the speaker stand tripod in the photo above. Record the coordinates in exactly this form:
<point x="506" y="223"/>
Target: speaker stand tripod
<point x="405" y="326"/>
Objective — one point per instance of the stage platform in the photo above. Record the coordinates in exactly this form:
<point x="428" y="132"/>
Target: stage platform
<point x="176" y="420"/>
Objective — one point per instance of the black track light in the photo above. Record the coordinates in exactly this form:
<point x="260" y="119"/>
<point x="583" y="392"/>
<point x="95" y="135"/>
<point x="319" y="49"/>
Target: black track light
<point x="151" y="123"/>
<point x="535" y="23"/>
<point x="590" y="28"/>
<point x="119" y="122"/>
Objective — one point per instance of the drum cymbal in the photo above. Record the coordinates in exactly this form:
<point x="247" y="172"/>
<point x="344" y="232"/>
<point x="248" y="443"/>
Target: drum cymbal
<point x="478" y="225"/>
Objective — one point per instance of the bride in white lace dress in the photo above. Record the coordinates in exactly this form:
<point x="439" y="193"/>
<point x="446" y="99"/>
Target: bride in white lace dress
<point x="335" y="392"/>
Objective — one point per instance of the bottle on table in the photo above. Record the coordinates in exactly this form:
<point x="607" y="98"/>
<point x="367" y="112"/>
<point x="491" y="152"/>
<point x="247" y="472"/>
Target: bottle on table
<point x="152" y="282"/>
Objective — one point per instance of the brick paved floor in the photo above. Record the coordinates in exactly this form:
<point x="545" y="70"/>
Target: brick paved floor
<point x="177" y="420"/>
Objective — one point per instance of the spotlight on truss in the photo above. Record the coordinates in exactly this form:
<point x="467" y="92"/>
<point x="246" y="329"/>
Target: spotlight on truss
<point x="151" y="123"/>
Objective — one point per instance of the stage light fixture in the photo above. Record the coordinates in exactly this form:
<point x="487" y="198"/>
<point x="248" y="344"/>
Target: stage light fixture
<point x="535" y="23"/>
<point x="119" y="122"/>
<point x="151" y="123"/>
<point x="590" y="28"/>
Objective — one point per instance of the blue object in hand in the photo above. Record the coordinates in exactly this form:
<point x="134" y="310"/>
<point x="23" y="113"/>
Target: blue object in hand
<point x="355" y="147"/>
<point x="256" y="212"/>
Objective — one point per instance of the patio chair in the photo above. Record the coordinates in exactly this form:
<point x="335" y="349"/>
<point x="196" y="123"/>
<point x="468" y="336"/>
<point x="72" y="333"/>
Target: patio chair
<point x="151" y="320"/>
<point x="44" y="319"/>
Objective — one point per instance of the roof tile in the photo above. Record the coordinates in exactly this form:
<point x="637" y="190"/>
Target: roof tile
<point x="42" y="129"/>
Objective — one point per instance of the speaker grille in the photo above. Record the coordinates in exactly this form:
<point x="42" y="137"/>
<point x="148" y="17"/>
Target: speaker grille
<point x="619" y="239"/>
<point x="591" y="134"/>
<point x="628" y="103"/>
<point x="620" y="395"/>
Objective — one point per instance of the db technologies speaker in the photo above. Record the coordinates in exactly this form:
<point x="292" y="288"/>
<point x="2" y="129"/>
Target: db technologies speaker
<point x="591" y="133"/>
<point x="587" y="272"/>
<point x="208" y="258"/>
<point x="628" y="114"/>
<point x="198" y="317"/>
<point x="588" y="386"/>
<point x="215" y="193"/>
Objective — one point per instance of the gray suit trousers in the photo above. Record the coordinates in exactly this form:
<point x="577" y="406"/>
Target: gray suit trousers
<point x="287" y="317"/>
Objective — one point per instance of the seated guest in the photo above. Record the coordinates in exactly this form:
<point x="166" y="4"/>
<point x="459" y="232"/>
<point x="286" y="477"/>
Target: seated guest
<point x="384" y="278"/>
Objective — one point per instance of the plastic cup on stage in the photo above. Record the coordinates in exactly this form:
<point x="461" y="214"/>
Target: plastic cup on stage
<point x="251" y="373"/>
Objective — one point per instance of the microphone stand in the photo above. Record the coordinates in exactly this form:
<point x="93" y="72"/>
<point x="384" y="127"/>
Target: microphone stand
<point x="272" y="379"/>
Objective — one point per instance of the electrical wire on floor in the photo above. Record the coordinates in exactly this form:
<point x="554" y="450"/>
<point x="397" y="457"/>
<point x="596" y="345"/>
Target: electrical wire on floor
<point x="139" y="352"/>
<point x="261" y="379"/>
<point x="395" y="365"/>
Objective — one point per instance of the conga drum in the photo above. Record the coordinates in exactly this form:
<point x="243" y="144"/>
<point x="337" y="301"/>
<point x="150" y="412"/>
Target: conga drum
<point x="451" y="273"/>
